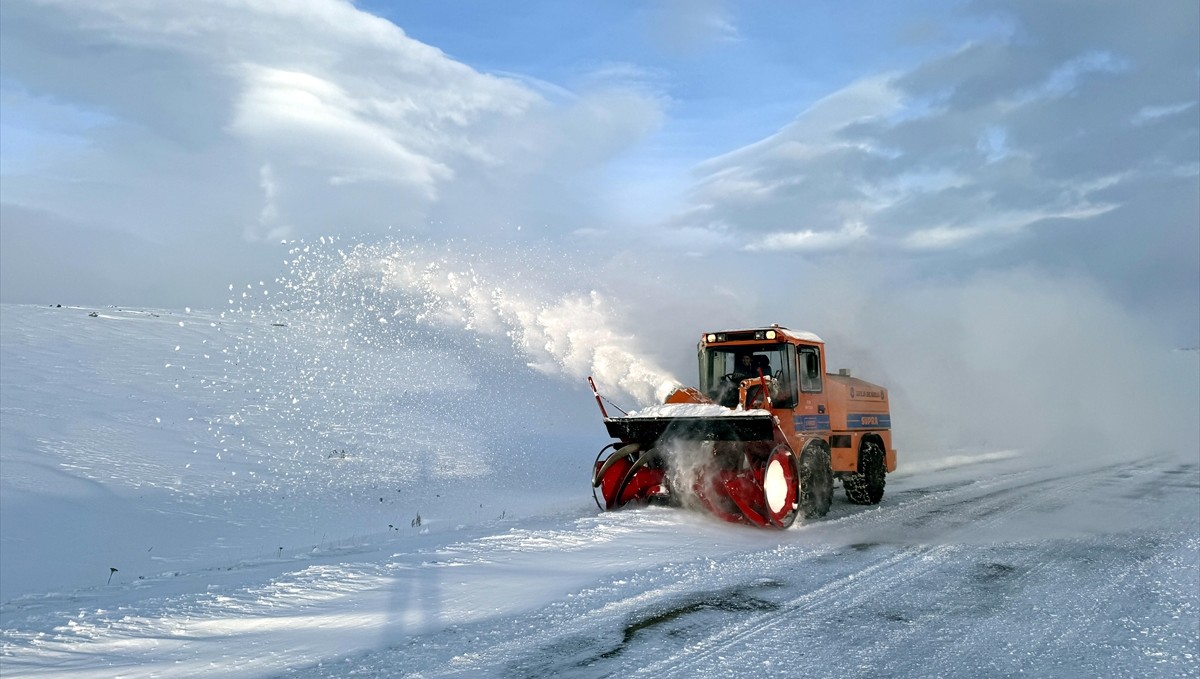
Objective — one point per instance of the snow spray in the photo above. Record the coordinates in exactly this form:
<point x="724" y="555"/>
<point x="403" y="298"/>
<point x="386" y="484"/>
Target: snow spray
<point x="387" y="351"/>
<point x="394" y="290"/>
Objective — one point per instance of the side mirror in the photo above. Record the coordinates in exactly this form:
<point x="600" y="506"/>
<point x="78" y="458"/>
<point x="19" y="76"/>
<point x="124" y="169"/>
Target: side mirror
<point x="812" y="364"/>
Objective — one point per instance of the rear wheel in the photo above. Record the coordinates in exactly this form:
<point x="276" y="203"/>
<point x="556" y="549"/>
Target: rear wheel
<point x="865" y="487"/>
<point x="816" y="482"/>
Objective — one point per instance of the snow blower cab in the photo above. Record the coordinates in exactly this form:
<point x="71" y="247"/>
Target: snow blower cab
<point x="759" y="442"/>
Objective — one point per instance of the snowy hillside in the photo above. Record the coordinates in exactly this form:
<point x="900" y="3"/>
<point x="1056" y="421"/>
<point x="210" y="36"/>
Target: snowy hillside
<point x="271" y="490"/>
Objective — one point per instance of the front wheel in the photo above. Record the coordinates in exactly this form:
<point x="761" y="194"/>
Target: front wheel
<point x="865" y="486"/>
<point x="816" y="482"/>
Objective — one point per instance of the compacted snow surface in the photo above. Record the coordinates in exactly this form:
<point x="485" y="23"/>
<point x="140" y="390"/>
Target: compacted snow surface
<point x="200" y="494"/>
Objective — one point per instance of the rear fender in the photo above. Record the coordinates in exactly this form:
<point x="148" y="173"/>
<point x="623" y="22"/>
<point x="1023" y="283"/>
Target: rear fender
<point x="873" y="438"/>
<point x="845" y="447"/>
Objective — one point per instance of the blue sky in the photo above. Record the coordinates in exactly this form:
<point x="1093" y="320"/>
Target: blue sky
<point x="932" y="141"/>
<point x="730" y="77"/>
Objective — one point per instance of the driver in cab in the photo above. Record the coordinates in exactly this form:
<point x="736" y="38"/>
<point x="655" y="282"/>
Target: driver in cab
<point x="745" y="367"/>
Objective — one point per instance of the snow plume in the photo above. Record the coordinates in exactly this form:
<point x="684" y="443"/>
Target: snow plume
<point x="414" y="291"/>
<point x="414" y="361"/>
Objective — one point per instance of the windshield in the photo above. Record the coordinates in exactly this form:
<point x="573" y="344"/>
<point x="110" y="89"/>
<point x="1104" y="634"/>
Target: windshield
<point x="723" y="368"/>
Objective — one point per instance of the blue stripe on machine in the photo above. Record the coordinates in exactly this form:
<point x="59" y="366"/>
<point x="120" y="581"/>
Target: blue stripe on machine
<point x="811" y="422"/>
<point x="868" y="421"/>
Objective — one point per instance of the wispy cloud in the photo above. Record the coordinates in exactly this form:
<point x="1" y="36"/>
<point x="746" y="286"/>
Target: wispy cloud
<point x="975" y="150"/>
<point x="689" y="26"/>
<point x="807" y="240"/>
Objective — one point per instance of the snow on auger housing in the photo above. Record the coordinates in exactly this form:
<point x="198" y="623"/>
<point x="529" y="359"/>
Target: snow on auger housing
<point x="759" y="442"/>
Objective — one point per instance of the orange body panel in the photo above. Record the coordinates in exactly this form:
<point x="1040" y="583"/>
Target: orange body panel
<point x="841" y="413"/>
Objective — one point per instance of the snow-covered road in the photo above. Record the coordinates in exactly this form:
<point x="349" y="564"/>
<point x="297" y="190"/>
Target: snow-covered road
<point x="245" y="549"/>
<point x="939" y="582"/>
<point x="982" y="570"/>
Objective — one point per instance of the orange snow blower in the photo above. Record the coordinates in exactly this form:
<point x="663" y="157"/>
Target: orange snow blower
<point x="760" y="442"/>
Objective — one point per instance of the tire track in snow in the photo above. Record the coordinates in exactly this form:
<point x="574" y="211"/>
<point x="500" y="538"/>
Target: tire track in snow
<point x="688" y="579"/>
<point x="872" y="582"/>
<point x="980" y="578"/>
<point x="663" y="604"/>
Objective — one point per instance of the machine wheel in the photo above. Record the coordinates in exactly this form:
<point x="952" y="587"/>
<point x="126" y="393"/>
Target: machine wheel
<point x="779" y="487"/>
<point x="865" y="487"/>
<point x="616" y="456"/>
<point x="642" y="460"/>
<point x="816" y="482"/>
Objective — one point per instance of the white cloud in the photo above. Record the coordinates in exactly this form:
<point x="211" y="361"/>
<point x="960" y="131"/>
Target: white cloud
<point x="269" y="120"/>
<point x="941" y="237"/>
<point x="817" y="128"/>
<point x="754" y="196"/>
<point x="1150" y="114"/>
<point x="975" y="150"/>
<point x="277" y="108"/>
<point x="268" y="219"/>
<point x="319" y="90"/>
<point x="689" y="26"/>
<point x="1004" y="224"/>
<point x="1066" y="78"/>
<point x="808" y="240"/>
<point x="993" y="143"/>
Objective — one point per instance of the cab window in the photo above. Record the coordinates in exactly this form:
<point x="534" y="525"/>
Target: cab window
<point x="810" y="369"/>
<point x="722" y="369"/>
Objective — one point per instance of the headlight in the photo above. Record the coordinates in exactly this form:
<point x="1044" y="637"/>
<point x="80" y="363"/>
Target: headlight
<point x="710" y="338"/>
<point x="770" y="334"/>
